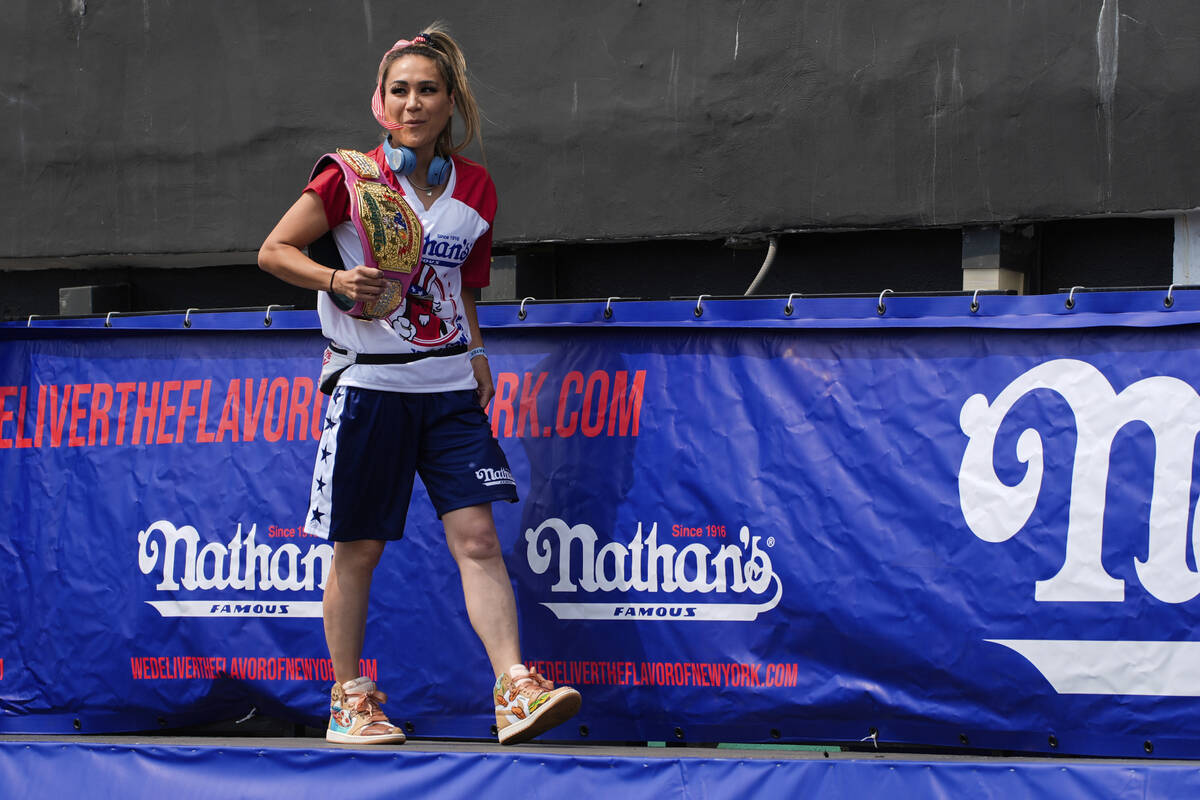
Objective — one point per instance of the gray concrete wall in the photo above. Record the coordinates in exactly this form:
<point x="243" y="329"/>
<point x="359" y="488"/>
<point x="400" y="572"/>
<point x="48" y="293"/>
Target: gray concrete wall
<point x="182" y="127"/>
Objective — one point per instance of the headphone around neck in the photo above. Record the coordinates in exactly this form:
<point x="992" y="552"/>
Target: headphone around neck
<point x="403" y="161"/>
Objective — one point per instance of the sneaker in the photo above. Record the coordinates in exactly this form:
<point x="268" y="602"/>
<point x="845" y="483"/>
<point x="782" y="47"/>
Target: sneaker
<point x="527" y="704"/>
<point x="355" y="716"/>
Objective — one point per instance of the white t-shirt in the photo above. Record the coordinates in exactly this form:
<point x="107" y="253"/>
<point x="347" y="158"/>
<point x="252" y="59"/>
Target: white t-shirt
<point x="457" y="227"/>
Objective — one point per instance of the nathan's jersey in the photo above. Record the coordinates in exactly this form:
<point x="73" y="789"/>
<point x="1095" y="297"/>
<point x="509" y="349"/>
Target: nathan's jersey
<point x="456" y="253"/>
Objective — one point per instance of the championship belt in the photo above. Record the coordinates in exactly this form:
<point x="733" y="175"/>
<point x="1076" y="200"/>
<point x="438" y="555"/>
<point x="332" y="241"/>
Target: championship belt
<point x="389" y="230"/>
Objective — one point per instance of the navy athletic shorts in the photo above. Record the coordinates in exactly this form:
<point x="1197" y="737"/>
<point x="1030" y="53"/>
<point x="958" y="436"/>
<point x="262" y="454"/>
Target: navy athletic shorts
<point x="376" y="442"/>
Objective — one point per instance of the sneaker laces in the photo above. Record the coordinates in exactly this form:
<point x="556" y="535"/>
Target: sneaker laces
<point x="529" y="682"/>
<point x="366" y="704"/>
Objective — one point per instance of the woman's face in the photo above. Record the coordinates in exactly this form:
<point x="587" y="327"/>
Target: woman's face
<point x="415" y="96"/>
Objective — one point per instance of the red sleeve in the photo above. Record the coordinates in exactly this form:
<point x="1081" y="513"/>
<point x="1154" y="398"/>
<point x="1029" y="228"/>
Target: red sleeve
<point x="476" y="271"/>
<point x="330" y="186"/>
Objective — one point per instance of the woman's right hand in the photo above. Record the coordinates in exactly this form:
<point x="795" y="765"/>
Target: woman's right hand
<point x="359" y="283"/>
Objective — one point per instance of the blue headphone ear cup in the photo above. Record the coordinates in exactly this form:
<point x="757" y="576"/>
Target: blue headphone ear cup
<point x="402" y="160"/>
<point x="439" y="171"/>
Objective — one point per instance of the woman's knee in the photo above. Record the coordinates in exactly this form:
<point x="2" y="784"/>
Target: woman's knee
<point x="358" y="557"/>
<point x="472" y="536"/>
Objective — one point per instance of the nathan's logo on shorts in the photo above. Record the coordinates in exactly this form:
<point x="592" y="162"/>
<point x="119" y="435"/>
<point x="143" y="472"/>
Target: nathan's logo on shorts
<point x="646" y="567"/>
<point x="996" y="511"/>
<point x="495" y="477"/>
<point x="216" y="576"/>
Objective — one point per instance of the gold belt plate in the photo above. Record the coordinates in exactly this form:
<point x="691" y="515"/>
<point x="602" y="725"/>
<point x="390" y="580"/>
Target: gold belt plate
<point x="395" y="236"/>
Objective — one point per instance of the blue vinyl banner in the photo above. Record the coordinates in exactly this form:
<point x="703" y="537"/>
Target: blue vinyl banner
<point x="185" y="771"/>
<point x="950" y="535"/>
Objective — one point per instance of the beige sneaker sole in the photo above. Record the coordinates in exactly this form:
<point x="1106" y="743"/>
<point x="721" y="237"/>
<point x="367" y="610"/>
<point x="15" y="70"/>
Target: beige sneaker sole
<point x="349" y="738"/>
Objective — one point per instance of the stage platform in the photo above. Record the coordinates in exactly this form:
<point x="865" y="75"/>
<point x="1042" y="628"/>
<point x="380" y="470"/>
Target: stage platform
<point x="181" y="768"/>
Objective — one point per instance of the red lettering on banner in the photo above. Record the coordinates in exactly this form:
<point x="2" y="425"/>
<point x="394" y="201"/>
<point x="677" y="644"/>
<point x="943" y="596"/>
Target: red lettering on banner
<point x="162" y="412"/>
<point x="318" y="414"/>
<point x="626" y="409"/>
<point x="229" y="413"/>
<point x="502" y="402"/>
<point x="273" y="433"/>
<point x="21" y="439"/>
<point x="252" y="412"/>
<point x="302" y="389"/>
<point x="202" y="434"/>
<point x="165" y="411"/>
<point x="58" y="413"/>
<point x="573" y="382"/>
<point x="528" y="407"/>
<point x="1" y="669"/>
<point x="668" y="673"/>
<point x="186" y="409"/>
<point x="123" y="389"/>
<point x="77" y="414"/>
<point x="146" y="413"/>
<point x="102" y="397"/>
<point x="41" y="417"/>
<point x="5" y="414"/>
<point x="590" y="400"/>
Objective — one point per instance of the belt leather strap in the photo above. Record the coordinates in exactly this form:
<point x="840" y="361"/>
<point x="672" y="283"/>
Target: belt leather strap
<point x="399" y="358"/>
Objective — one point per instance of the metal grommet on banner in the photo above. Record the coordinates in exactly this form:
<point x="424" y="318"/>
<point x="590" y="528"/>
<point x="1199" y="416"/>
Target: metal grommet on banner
<point x="699" y="311"/>
<point x="267" y="318"/>
<point x="187" y="317"/>
<point x="608" y="307"/>
<point x="108" y="319"/>
<point x="1148" y="746"/>
<point x="787" y="309"/>
<point x="975" y="302"/>
<point x="521" y="313"/>
<point x="1071" y="297"/>
<point x="1052" y="741"/>
<point x="1169" y="301"/>
<point x="879" y="306"/>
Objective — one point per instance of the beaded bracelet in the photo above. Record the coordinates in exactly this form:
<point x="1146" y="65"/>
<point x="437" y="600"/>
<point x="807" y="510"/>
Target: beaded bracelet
<point x="478" y="351"/>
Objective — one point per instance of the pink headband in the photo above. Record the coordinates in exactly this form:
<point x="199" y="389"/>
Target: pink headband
<point x="377" y="97"/>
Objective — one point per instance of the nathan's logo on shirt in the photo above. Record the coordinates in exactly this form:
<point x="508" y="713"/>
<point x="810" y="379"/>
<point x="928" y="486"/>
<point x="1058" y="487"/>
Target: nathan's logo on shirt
<point x="217" y="578"/>
<point x="446" y="249"/>
<point x="495" y="477"/>
<point x="652" y="570"/>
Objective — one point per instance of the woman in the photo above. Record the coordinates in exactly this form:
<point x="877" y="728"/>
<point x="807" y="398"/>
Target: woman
<point x="411" y="376"/>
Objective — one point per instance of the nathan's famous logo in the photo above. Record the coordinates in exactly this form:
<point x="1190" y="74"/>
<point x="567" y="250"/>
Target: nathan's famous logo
<point x="495" y="477"/>
<point x="652" y="571"/>
<point x="996" y="511"/>
<point x="224" y="574"/>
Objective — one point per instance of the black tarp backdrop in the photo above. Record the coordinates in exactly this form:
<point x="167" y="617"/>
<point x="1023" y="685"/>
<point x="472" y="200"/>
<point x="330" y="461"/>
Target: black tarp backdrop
<point x="160" y="128"/>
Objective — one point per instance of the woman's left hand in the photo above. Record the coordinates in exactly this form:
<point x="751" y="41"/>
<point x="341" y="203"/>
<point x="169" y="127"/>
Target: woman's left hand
<point x="483" y="378"/>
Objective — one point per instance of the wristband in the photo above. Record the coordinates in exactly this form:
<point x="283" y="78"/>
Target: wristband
<point x="478" y="351"/>
<point x="332" y="275"/>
